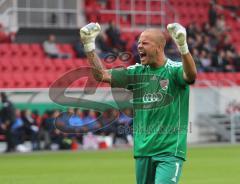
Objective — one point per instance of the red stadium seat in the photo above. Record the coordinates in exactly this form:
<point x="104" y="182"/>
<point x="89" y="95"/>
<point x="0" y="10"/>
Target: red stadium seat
<point x="140" y="5"/>
<point x="69" y="65"/>
<point x="155" y="5"/>
<point x="5" y="65"/>
<point x="107" y="17"/>
<point x="26" y="65"/>
<point x="26" y="51"/>
<point x="5" y="50"/>
<point x="30" y="81"/>
<point x="140" y="19"/>
<point x="81" y="62"/>
<point x="58" y="65"/>
<point x="37" y="50"/>
<point x="6" y="80"/>
<point x="15" y="50"/>
<point x="40" y="80"/>
<point x="93" y="17"/>
<point x="125" y="5"/>
<point x="237" y="76"/>
<point x="156" y="19"/>
<point x="16" y="65"/>
<point x="18" y="80"/>
<point x="37" y="65"/>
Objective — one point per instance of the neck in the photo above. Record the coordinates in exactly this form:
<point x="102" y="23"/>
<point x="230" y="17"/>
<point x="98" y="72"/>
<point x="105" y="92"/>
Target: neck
<point x="160" y="61"/>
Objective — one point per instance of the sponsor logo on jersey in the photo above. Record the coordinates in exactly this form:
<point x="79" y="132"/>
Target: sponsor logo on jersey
<point x="152" y="97"/>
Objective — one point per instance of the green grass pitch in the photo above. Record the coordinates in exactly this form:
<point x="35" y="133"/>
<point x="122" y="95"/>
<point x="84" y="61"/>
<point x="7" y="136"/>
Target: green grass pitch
<point x="205" y="165"/>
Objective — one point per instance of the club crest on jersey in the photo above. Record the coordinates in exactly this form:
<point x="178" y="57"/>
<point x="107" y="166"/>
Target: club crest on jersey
<point x="164" y="84"/>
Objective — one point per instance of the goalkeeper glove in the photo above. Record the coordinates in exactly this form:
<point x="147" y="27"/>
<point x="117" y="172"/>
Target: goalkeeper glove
<point x="179" y="35"/>
<point x="88" y="35"/>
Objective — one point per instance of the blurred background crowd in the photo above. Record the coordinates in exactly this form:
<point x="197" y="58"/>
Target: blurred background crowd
<point x="20" y="126"/>
<point x="31" y="62"/>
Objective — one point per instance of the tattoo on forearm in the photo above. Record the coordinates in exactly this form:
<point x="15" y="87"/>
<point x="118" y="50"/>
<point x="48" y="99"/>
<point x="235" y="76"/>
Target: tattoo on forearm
<point x="97" y="67"/>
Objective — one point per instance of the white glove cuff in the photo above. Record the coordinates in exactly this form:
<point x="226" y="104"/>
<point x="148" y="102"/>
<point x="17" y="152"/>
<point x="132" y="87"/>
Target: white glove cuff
<point x="88" y="47"/>
<point x="183" y="49"/>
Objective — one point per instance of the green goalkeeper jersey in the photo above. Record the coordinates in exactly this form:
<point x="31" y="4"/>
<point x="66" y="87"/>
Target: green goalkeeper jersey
<point x="160" y="101"/>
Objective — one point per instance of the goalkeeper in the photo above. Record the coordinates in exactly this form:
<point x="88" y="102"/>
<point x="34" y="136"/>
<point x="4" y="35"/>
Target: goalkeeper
<point x="160" y="102"/>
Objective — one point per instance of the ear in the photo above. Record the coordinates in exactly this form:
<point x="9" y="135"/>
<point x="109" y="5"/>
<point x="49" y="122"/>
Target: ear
<point x="159" y="48"/>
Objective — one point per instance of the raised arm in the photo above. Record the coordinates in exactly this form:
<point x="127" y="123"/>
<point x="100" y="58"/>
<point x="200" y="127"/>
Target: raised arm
<point x="88" y="35"/>
<point x="178" y="33"/>
<point x="189" y="68"/>
<point x="98" y="70"/>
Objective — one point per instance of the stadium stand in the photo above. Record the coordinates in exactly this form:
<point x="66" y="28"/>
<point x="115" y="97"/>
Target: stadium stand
<point x="25" y="59"/>
<point x="23" y="63"/>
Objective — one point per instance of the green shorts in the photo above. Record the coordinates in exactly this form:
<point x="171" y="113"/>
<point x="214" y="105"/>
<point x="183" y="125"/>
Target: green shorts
<point x="158" y="169"/>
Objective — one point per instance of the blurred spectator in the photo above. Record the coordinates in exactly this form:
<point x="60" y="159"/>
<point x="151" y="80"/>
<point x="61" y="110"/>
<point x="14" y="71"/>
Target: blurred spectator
<point x="43" y="131"/>
<point x="90" y="120"/>
<point x="108" y="122"/>
<point x="47" y="128"/>
<point x="37" y="118"/>
<point x="17" y="129"/>
<point x="229" y="62"/>
<point x="212" y="50"/>
<point x="225" y="43"/>
<point x="65" y="141"/>
<point x="218" y="60"/>
<point x="207" y="44"/>
<point x="51" y="49"/>
<point x="205" y="60"/>
<point x="171" y="50"/>
<point x="102" y="47"/>
<point x="56" y="136"/>
<point x="212" y="14"/>
<point x="78" y="48"/>
<point x="124" y="127"/>
<point x="114" y="36"/>
<point x="198" y="42"/>
<point x="135" y="50"/>
<point x="237" y="63"/>
<point x="195" y="54"/>
<point x="76" y="120"/>
<point x="221" y="24"/>
<point x="191" y="30"/>
<point x="8" y="119"/>
<point x="90" y="141"/>
<point x="31" y="128"/>
<point x="76" y="123"/>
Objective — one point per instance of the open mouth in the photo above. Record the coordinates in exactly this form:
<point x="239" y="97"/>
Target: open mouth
<point x="142" y="54"/>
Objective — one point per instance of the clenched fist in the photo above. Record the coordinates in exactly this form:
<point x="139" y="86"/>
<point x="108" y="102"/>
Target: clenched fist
<point x="179" y="35"/>
<point x="88" y="35"/>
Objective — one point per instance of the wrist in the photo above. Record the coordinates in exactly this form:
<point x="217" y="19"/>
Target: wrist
<point x="88" y="47"/>
<point x="183" y="49"/>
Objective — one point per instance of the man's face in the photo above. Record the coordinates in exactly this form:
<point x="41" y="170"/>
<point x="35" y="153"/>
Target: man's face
<point x="147" y="48"/>
<point x="52" y="38"/>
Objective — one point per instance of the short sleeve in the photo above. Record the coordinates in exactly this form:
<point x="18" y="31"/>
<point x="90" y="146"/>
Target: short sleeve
<point x="119" y="78"/>
<point x="125" y="77"/>
<point x="179" y="76"/>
